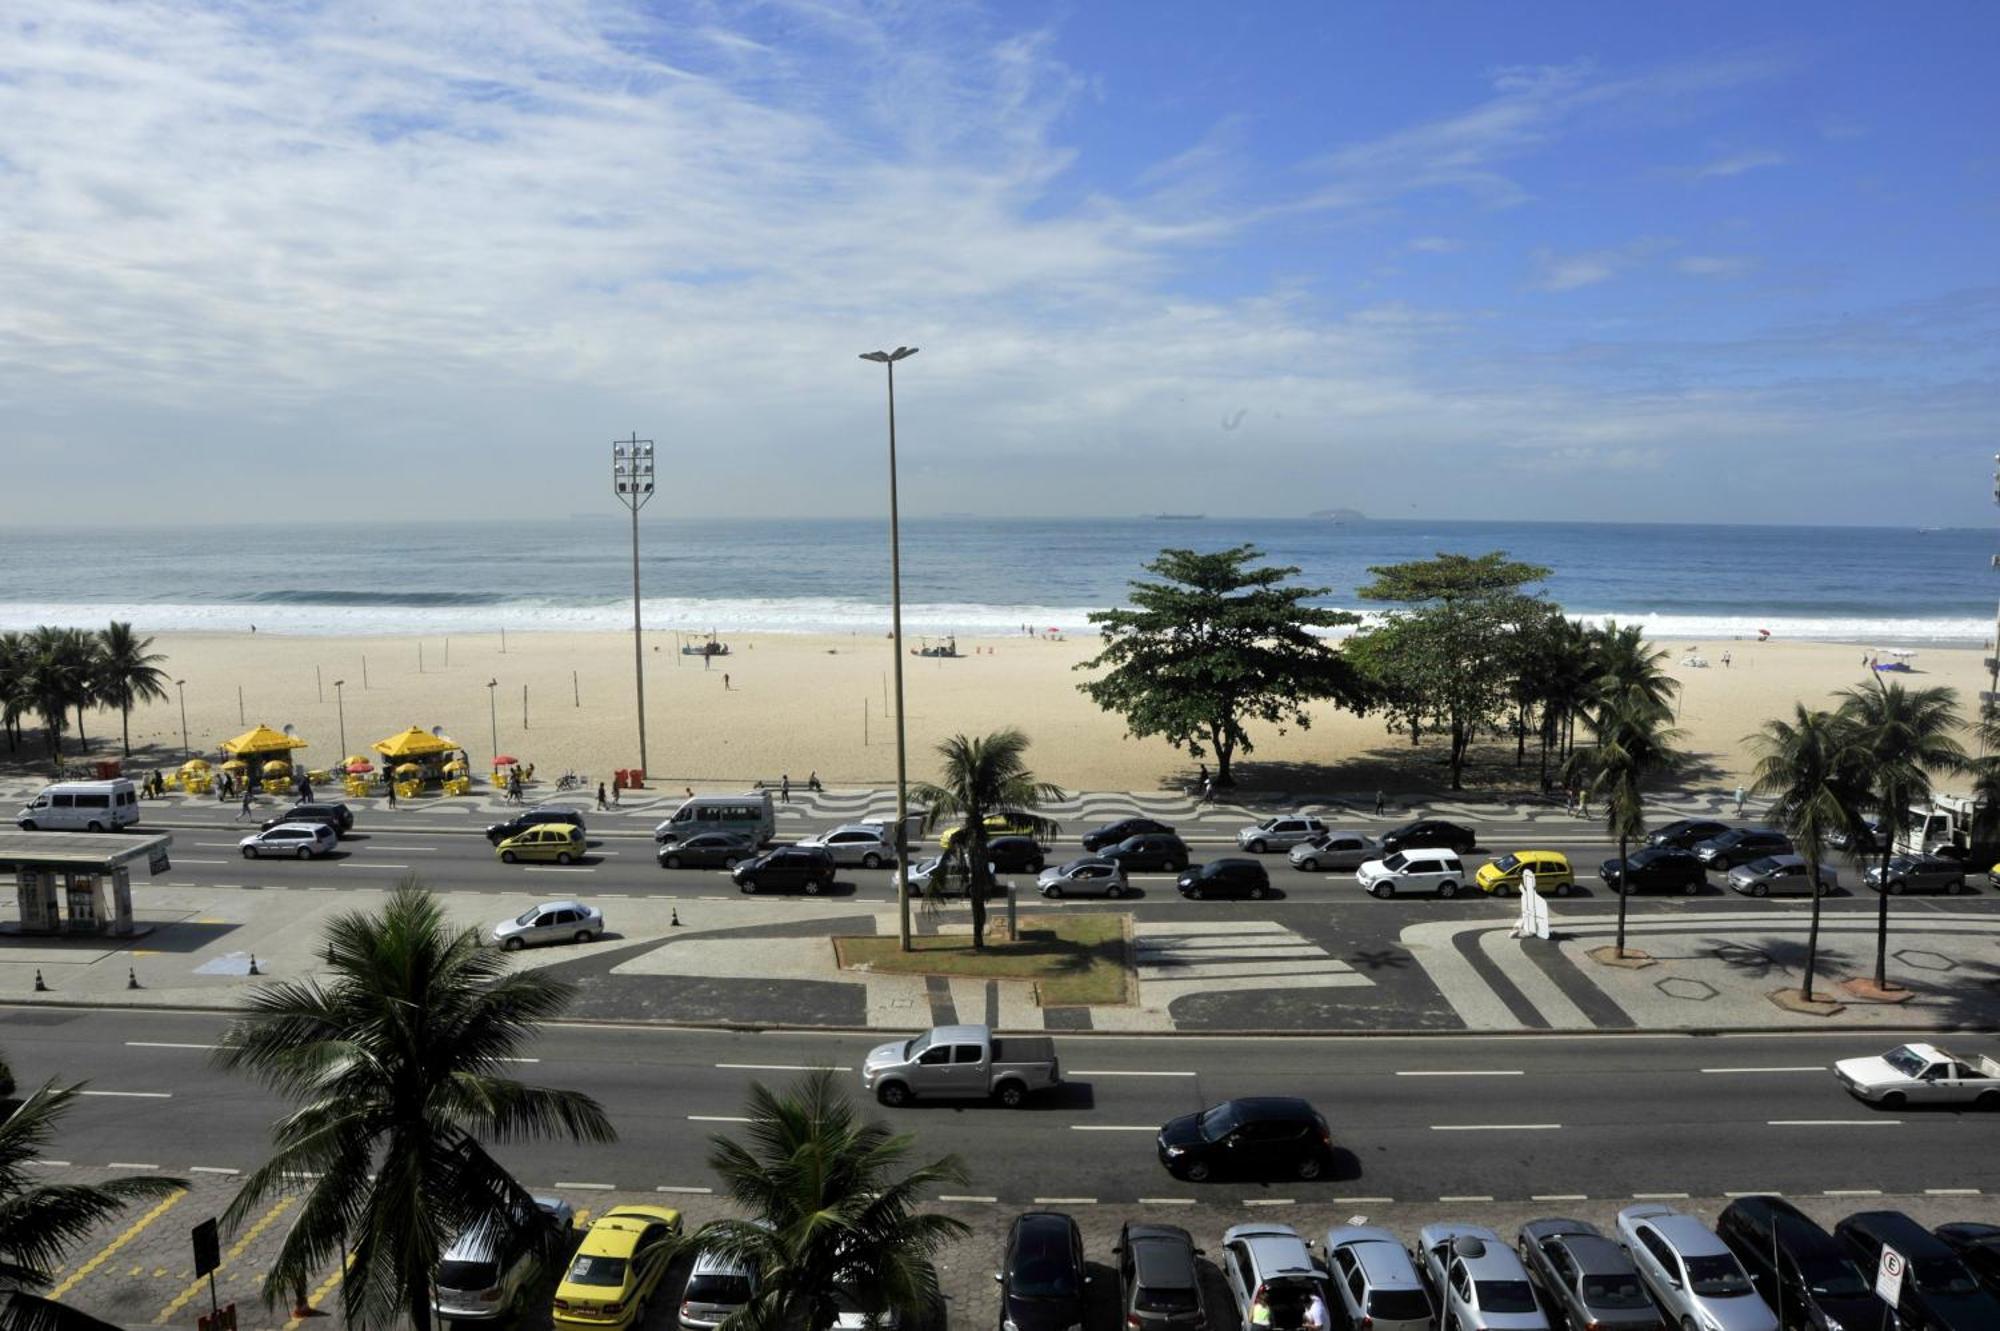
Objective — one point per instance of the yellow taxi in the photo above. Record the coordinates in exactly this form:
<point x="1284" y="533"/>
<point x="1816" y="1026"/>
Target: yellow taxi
<point x="561" y="842"/>
<point x="616" y="1268"/>
<point x="1502" y="877"/>
<point x="997" y="824"/>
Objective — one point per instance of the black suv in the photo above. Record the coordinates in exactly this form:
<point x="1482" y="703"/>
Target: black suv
<point x="1430" y="834"/>
<point x="1225" y="878"/>
<point x="1125" y="828"/>
<point x="1159" y="1287"/>
<point x="1740" y="845"/>
<point x="1939" y="1294"/>
<point x="1259" y="1136"/>
<point x="1041" y="1275"/>
<point x="1655" y="869"/>
<point x="1687" y="833"/>
<point x="1978" y="1246"/>
<point x="1014" y="854"/>
<point x="521" y="822"/>
<point x="337" y="816"/>
<point x="809" y="868"/>
<point x="1150" y="851"/>
<point x="1796" y="1265"/>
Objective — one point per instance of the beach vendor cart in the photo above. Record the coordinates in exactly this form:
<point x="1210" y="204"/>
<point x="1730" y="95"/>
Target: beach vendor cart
<point x="415" y="758"/>
<point x="357" y="774"/>
<point x="264" y="753"/>
<point x="195" y="777"/>
<point x="457" y="778"/>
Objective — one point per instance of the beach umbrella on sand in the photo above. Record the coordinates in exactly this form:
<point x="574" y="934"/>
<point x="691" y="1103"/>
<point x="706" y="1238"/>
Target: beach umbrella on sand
<point x="357" y="765"/>
<point x="195" y="765"/>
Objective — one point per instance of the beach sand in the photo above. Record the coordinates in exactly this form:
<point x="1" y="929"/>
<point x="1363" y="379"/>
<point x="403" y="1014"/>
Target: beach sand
<point x="802" y="704"/>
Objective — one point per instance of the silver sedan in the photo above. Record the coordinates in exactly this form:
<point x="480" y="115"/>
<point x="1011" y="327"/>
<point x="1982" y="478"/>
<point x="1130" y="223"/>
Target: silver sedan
<point x="1335" y="850"/>
<point x="1779" y="873"/>
<point x="1092" y="876"/>
<point x="550" y="922"/>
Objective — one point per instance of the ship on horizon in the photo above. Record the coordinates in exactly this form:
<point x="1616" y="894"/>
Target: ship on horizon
<point x="1179" y="517"/>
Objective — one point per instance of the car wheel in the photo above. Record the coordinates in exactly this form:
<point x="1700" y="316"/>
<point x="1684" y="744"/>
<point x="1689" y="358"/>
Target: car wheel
<point x="1760" y="889"/>
<point x="1311" y="1167"/>
<point x="1034" y="865"/>
<point x="1197" y="894"/>
<point x="1256" y="847"/>
<point x="1447" y="890"/>
<point x="303" y="853"/>
<point x="674" y="862"/>
<point x="1562" y="889"/>
<point x="1954" y="886"/>
<point x="28" y="825"/>
<point x="1052" y="891"/>
<point x="871" y="861"/>
<point x="249" y="852"/>
<point x="1821" y="890"/>
<point x="1693" y="887"/>
<point x="97" y="827"/>
<point x="1196" y="1171"/>
<point x="746" y="888"/>
<point x="1114" y="891"/>
<point x="506" y="857"/>
<point x="583" y="936"/>
<point x="1011" y="1095"/>
<point x="1894" y="1100"/>
<point x="1259" y="892"/>
<point x="1383" y="890"/>
<point x="730" y="861"/>
<point x="1309" y="864"/>
<point x="1988" y="1101"/>
<point x="1895" y="887"/>
<point x="512" y="945"/>
<point x="1687" y="1324"/>
<point x="893" y="1094"/>
<point x="812" y="887"/>
<point x="563" y="857"/>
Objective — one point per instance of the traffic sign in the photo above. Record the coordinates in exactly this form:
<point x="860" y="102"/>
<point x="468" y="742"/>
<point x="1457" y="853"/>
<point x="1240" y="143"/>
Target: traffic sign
<point x="1889" y="1276"/>
<point x="207" y="1247"/>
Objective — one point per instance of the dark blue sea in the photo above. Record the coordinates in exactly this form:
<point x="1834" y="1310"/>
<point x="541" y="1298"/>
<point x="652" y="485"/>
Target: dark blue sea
<point x="959" y="575"/>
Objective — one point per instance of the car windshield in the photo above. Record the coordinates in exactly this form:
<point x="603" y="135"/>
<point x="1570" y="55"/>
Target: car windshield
<point x="1831" y="1278"/>
<point x="1395" y="863"/>
<point x="593" y="1270"/>
<point x="1045" y="1273"/>
<point x="467" y="1275"/>
<point x="528" y="916"/>
<point x="918" y="1045"/>
<point x="1507" y="863"/>
<point x="1942" y="1275"/>
<point x="1717" y="1277"/>
<point x="1905" y="1060"/>
<point x="1613" y="1292"/>
<point x="717" y="1287"/>
<point x="1505" y="1296"/>
<point x="1219" y="1122"/>
<point x="1768" y="864"/>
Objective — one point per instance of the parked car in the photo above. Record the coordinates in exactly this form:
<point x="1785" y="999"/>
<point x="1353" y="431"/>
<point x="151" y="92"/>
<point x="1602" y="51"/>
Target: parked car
<point x="962" y="1063"/>
<point x="1256" y="1136"/>
<point x="1225" y="878"/>
<point x="1041" y="1275"/>
<point x="1687" y="833"/>
<point x="1655" y="869"/>
<point x="1978" y="1246"/>
<point x="300" y="840"/>
<point x="616" y="1268"/>
<point x="717" y="1287"/>
<point x="1159" y="1285"/>
<point x="1779" y="873"/>
<point x="527" y="818"/>
<point x="1939" y="1293"/>
<point x="337" y="816"/>
<point x="706" y="850"/>
<point x="1919" y="873"/>
<point x="862" y="1309"/>
<point x="1374" y="1281"/>
<point x="550" y="922"/>
<point x="807" y="868"/>
<point x="1803" y="1272"/>
<point x="1921" y="1073"/>
<point x="946" y="873"/>
<point x="1502" y="877"/>
<point x="1281" y="833"/>
<point x="1151" y="852"/>
<point x="1692" y="1273"/>
<point x="855" y="845"/>
<point x="997" y="825"/>
<point x="1430" y="834"/>
<point x="560" y="842"/>
<point x="1479" y="1284"/>
<point x="1092" y="876"/>
<point x="1334" y="850"/>
<point x="1740" y="845"/>
<point x="1868" y="838"/>
<point x="1437" y="872"/>
<point x="489" y="1271"/>
<point x="1271" y="1277"/>
<point x="1586" y="1278"/>
<point x="1124" y="830"/>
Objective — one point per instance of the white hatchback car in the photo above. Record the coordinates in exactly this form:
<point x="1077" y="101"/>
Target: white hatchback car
<point x="303" y="840"/>
<point x="1436" y="871"/>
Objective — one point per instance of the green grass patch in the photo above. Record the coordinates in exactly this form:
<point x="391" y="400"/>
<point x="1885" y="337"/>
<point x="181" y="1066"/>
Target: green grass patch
<point x="1071" y="958"/>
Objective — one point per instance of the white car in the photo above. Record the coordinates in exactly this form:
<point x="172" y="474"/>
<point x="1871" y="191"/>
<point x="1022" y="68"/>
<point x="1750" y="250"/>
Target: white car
<point x="1436" y="871"/>
<point x="856" y="845"/>
<point x="1690" y="1272"/>
<point x="301" y="840"/>
<point x="550" y="922"/>
<point x="1922" y="1074"/>
<point x="1335" y="850"/>
<point x="1280" y="833"/>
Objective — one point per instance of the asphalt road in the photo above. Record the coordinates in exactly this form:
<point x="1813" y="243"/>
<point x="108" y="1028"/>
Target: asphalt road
<point x="1443" y="1118"/>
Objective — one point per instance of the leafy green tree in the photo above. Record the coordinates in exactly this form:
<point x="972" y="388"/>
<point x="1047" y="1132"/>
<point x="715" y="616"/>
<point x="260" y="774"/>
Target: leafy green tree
<point x="39" y="1222"/>
<point x="1218" y="644"/>
<point x="59" y="665"/>
<point x="396" y="1062"/>
<point x="1815" y="778"/>
<point x="1629" y="670"/>
<point x="1634" y="741"/>
<point x="829" y="1205"/>
<point x="980" y="779"/>
<point x="1904" y="735"/>
<point x="128" y="673"/>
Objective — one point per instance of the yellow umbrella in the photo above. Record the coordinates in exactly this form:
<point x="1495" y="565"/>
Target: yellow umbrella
<point x="353" y="758"/>
<point x="276" y="768"/>
<point x="414" y="743"/>
<point x="408" y="769"/>
<point x="236" y="765"/>
<point x="262" y="739"/>
<point x="195" y="765"/>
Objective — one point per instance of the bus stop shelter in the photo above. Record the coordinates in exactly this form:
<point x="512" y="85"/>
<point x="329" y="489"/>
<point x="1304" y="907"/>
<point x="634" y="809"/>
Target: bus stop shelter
<point x="78" y="883"/>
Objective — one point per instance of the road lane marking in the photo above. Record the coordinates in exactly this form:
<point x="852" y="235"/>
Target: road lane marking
<point x="1659" y="1196"/>
<point x="236" y="1250"/>
<point x="1834" y="1122"/>
<point x="217" y="845"/>
<point x="1756" y="1192"/>
<point x="1951" y="1192"/>
<point x="128" y="1164"/>
<point x="182" y="859"/>
<point x="51" y="1164"/>
<point x="166" y="1044"/>
<point x="1065" y="1201"/>
<point x="1852" y="1192"/>
<point x="1814" y="1068"/>
<point x="1114" y="1127"/>
<point x="588" y="1187"/>
<point x="1559" y="1197"/>
<point x="717" y="1118"/>
<point x="350" y="864"/>
<point x="557" y="868"/>
<point x="132" y="1232"/>
<point x="517" y="1060"/>
<point x="1166" y="1201"/>
<point x="1120" y="1072"/>
<point x="1495" y="1127"/>
<point x="131" y="1095"/>
<point x="1468" y="1072"/>
<point x="963" y="1197"/>
<point x="212" y="1169"/>
<point x="669" y="1187"/>
<point x="1467" y="1197"/>
<point x="782" y="1067"/>
<point x="1363" y="1201"/>
<point x="1269" y="1201"/>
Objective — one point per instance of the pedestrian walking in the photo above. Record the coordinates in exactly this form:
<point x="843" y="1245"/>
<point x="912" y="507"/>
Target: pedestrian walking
<point x="1582" y="802"/>
<point x="785" y="788"/>
<point x="603" y="802"/>
<point x="615" y="792"/>
<point x="725" y="681"/>
<point x="1380" y="803"/>
<point x="1207" y="790"/>
<point x="389" y="784"/>
<point x="248" y="795"/>
<point x="1739" y="799"/>
<point x="1725" y="660"/>
<point x="690" y="791"/>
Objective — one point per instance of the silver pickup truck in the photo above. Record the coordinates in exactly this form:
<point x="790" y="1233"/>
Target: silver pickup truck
<point x="962" y="1063"/>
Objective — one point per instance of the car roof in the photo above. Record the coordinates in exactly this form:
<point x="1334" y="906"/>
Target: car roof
<point x="1899" y="1231"/>
<point x="314" y="828"/>
<point x="1596" y="1255"/>
<point x="967" y="1034"/>
<point x="874" y="828"/>
<point x="1231" y="862"/>
<point x="708" y="1263"/>
<point x="562" y="905"/>
<point x="1043" y="1224"/>
<point x="1540" y="854"/>
<point x="1264" y="1108"/>
<point x="1273" y="1248"/>
<point x="1163" y="1256"/>
<point x="1384" y="1261"/>
<point x="1686" y="1234"/>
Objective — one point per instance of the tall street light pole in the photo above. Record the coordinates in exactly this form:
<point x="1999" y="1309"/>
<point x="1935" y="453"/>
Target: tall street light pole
<point x="888" y="359"/>
<point x="180" y="687"/>
<point x="632" y="481"/>
<point x="493" y="718"/>
<point x="340" y="705"/>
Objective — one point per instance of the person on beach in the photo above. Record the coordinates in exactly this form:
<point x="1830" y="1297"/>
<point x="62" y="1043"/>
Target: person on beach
<point x="812" y="781"/>
<point x="1739" y="799"/>
<point x="725" y="681"/>
<point x="603" y="802"/>
<point x="1725" y="660"/>
<point x="785" y="788"/>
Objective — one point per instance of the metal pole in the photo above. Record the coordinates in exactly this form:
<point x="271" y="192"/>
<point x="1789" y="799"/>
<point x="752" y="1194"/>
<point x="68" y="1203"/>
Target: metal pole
<point x="319" y="687"/>
<point x="575" y="693"/>
<point x="493" y="714"/>
<point x="239" y="706"/>
<point x="633" y="488"/>
<point x="340" y="703"/>
<point x="896" y="634"/>
<point x="180" y="687"/>
<point x="524" y="707"/>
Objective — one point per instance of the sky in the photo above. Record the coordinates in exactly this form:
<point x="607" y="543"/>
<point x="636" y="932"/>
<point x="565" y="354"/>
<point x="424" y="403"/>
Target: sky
<point x="1691" y="262"/>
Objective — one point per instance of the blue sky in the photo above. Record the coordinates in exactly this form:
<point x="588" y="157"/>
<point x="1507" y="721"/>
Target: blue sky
<point x="1702" y="261"/>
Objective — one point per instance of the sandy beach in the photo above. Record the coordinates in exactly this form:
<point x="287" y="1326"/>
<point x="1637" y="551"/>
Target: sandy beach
<point x="799" y="704"/>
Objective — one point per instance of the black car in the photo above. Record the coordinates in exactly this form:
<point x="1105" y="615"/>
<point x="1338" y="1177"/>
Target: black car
<point x="808" y="868"/>
<point x="1262" y="1136"/>
<point x="1798" y="1266"/>
<point x="1430" y="834"/>
<point x="1150" y="851"/>
<point x="1123" y="830"/>
<point x="1687" y="833"/>
<point x="1740" y="845"/>
<point x="1939" y="1294"/>
<point x="1655" y="869"/>
<point x="1225" y="878"/>
<point x="1041" y="1275"/>
<point x="1159" y="1286"/>
<point x="1586" y="1276"/>
<point x="1015" y="854"/>
<point x="707" y="850"/>
<point x="521" y="822"/>
<point x="337" y="816"/>
<point x="1978" y="1246"/>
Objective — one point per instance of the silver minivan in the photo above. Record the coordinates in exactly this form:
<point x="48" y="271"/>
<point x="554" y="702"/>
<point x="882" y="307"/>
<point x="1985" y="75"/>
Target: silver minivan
<point x="717" y="1287"/>
<point x="81" y="806"/>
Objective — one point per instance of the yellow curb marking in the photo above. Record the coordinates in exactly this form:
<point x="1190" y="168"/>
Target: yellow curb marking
<point x="235" y="1251"/>
<point x="325" y="1288"/>
<point x="131" y="1233"/>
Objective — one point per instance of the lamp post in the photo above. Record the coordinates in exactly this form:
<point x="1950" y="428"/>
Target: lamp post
<point x="180" y="687"/>
<point x="887" y="360"/>
<point x="493" y="718"/>
<point x="340" y="705"/>
<point x="632" y="482"/>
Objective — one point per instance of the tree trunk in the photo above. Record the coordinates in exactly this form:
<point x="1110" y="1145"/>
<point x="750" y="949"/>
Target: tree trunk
<point x="82" y="740"/>
<point x="1225" y="749"/>
<point x="1624" y="891"/>
<point x="976" y="884"/>
<point x="1812" y="930"/>
<point x="125" y="727"/>
<point x="1459" y="741"/>
<point x="1520" y="734"/>
<point x="1889" y="825"/>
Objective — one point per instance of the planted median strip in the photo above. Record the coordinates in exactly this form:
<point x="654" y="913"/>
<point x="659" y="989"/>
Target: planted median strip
<point x="1072" y="959"/>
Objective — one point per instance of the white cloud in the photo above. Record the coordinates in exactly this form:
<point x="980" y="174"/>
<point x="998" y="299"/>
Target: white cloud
<point x="1435" y="245"/>
<point x="1734" y="164"/>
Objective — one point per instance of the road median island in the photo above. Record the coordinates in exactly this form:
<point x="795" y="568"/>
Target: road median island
<point x="1071" y="959"/>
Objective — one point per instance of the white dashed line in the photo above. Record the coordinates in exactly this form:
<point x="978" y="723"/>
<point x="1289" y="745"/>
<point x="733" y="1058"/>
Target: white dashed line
<point x="1268" y="1201"/>
<point x="701" y="1192"/>
<point x="1834" y="1122"/>
<point x="1951" y="1192"/>
<point x="1659" y="1196"/>
<point x="1815" y="1068"/>
<point x="717" y="1118"/>
<point x="1065" y="1201"/>
<point x="212" y="1169"/>
<point x="166" y="1044"/>
<point x="781" y="1067"/>
<point x="131" y="1095"/>
<point x="1495" y="1127"/>
<point x="1559" y="1197"/>
<point x="1114" y="1127"/>
<point x="1123" y="1072"/>
<point x="350" y="864"/>
<point x="1852" y="1192"/>
<point x="1166" y="1201"/>
<point x="963" y="1197"/>
<point x="1473" y="1197"/>
<point x="182" y="859"/>
<point x="517" y="1060"/>
<point x="51" y="1164"/>
<point x="557" y="868"/>
<point x="1467" y="1072"/>
<point x="1756" y="1192"/>
<point x="1363" y="1201"/>
<point x="130" y="1164"/>
<point x="588" y="1187"/>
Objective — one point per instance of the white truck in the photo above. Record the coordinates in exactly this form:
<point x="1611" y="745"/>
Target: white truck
<point x="1913" y="1074"/>
<point x="962" y="1063"/>
<point x="1958" y="826"/>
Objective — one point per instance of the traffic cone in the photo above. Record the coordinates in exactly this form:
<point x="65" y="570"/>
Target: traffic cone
<point x="673" y="923"/>
<point x="253" y="965"/>
<point x="40" y="988"/>
<point x="131" y="978"/>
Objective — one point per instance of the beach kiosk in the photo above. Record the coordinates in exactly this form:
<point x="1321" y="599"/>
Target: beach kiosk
<point x="414" y="756"/>
<point x="77" y="883"/>
<point x="265" y="753"/>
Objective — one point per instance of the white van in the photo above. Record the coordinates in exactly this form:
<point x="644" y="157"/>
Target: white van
<point x="82" y="806"/>
<point x="749" y="815"/>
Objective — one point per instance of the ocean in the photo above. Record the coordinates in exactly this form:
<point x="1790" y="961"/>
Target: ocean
<point x="969" y="576"/>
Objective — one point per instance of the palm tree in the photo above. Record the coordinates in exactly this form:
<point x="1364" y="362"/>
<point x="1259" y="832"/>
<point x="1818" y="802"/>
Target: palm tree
<point x="127" y="674"/>
<point x="979" y="779"/>
<point x="1903" y="736"/>
<point x="827" y="1208"/>
<point x="15" y="701"/>
<point x="40" y="1222"/>
<point x="1816" y="778"/>
<point x="1633" y="742"/>
<point x="58" y="678"/>
<point x="396" y="1062"/>
<point x="1629" y="669"/>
